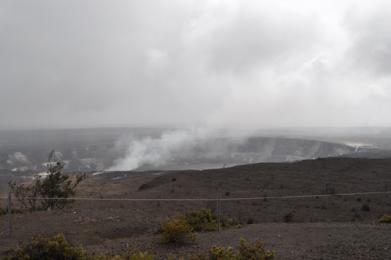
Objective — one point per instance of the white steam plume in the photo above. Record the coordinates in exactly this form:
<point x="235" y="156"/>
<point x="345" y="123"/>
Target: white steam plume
<point x="157" y="151"/>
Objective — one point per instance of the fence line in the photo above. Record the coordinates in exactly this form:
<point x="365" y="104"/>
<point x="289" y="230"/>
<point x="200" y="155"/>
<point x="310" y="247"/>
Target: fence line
<point x="216" y="198"/>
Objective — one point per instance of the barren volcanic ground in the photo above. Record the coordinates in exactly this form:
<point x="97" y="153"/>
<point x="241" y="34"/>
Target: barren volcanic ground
<point x="332" y="227"/>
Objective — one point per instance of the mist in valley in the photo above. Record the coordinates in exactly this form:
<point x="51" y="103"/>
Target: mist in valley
<point x="122" y="149"/>
<point x="193" y="84"/>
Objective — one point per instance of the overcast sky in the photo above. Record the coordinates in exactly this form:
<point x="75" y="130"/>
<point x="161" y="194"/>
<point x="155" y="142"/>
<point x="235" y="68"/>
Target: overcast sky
<point x="245" y="63"/>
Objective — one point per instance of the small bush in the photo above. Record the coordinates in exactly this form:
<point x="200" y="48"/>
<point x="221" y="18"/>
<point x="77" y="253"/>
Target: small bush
<point x="176" y="230"/>
<point x="179" y="229"/>
<point x="228" y="222"/>
<point x="205" y="220"/>
<point x="140" y="255"/>
<point x="202" y="220"/>
<point x="245" y="251"/>
<point x="217" y="253"/>
<point x="41" y="248"/>
<point x="385" y="219"/>
<point x="253" y="251"/>
<point x="131" y="255"/>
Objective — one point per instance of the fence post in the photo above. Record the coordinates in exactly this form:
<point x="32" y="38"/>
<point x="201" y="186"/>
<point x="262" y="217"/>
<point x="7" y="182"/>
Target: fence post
<point x="218" y="214"/>
<point x="9" y="214"/>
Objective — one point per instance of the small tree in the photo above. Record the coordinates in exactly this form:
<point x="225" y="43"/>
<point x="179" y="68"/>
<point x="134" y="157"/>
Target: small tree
<point x="26" y="195"/>
<point x="51" y="191"/>
<point x="56" y="184"/>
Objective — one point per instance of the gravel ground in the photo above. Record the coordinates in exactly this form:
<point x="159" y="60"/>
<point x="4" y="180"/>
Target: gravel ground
<point x="322" y="228"/>
<point x="288" y="241"/>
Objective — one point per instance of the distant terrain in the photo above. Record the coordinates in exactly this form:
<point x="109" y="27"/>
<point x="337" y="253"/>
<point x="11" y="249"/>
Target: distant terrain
<point x="97" y="149"/>
<point x="81" y="149"/>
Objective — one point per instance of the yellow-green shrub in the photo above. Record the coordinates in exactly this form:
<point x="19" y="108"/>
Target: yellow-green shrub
<point x="245" y="251"/>
<point x="205" y="220"/>
<point x="140" y="255"/>
<point x="226" y="253"/>
<point x="129" y="255"/>
<point x="253" y="251"/>
<point x="176" y="230"/>
<point x="202" y="220"/>
<point x="43" y="248"/>
<point x="385" y="219"/>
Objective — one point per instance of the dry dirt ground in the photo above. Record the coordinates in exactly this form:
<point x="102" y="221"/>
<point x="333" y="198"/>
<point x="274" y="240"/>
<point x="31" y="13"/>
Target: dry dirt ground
<point x="335" y="227"/>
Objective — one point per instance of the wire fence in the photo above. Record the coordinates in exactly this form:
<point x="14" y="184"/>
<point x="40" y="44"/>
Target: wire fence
<point x="368" y="193"/>
<point x="284" y="197"/>
<point x="221" y="205"/>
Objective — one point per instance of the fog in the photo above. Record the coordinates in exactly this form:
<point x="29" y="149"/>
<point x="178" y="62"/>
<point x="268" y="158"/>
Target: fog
<point x="156" y="151"/>
<point x="214" y="64"/>
<point x="204" y="149"/>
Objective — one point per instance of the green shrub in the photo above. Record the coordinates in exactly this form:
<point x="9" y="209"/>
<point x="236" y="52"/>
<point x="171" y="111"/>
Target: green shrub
<point x="41" y="248"/>
<point x="58" y="248"/>
<point x="228" y="222"/>
<point x="180" y="229"/>
<point x="253" y="251"/>
<point x="140" y="255"/>
<point x="205" y="220"/>
<point x="226" y="253"/>
<point x="202" y="220"/>
<point x="131" y="255"/>
<point x="245" y="251"/>
<point x="385" y="219"/>
<point x="176" y="230"/>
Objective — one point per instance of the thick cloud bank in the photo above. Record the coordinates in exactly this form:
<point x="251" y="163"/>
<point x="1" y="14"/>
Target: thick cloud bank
<point x="236" y="64"/>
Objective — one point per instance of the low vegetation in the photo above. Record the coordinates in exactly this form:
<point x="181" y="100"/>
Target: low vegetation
<point x="245" y="251"/>
<point x="49" y="192"/>
<point x="176" y="230"/>
<point x="41" y="248"/>
<point x="385" y="219"/>
<point x="202" y="220"/>
<point x="130" y="255"/>
<point x="57" y="247"/>
<point x="180" y="229"/>
<point x="205" y="220"/>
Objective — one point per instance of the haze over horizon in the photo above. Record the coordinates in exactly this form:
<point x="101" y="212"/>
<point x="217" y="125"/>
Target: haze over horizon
<point x="212" y="64"/>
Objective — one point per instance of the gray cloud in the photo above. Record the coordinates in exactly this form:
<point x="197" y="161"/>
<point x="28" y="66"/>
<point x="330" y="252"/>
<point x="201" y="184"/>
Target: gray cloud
<point x="371" y="48"/>
<point x="245" y="64"/>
